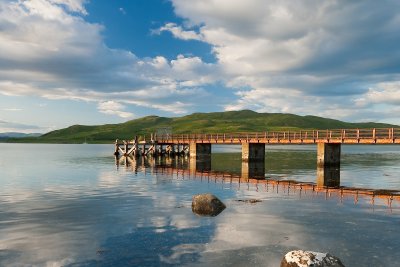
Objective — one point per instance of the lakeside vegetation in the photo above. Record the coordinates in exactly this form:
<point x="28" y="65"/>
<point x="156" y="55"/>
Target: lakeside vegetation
<point x="216" y="122"/>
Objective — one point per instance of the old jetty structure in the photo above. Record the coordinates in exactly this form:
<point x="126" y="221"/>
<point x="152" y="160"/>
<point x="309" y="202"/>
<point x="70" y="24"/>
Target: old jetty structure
<point x="253" y="144"/>
<point x="198" y="146"/>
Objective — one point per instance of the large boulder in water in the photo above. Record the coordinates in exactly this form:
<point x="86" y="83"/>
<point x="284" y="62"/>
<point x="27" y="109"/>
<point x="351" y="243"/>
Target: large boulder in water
<point x="301" y="258"/>
<point x="207" y="205"/>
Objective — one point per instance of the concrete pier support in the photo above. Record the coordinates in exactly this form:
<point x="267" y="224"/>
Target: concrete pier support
<point x="199" y="150"/>
<point x="328" y="154"/>
<point x="328" y="176"/>
<point x="116" y="151"/>
<point x="253" y="152"/>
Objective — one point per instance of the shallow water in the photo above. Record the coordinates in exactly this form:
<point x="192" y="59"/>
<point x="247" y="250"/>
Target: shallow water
<point x="70" y="205"/>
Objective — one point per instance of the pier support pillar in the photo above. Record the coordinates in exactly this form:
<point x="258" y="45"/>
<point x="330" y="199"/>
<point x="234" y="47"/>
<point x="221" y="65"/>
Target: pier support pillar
<point x="136" y="149"/>
<point x="199" y="150"/>
<point x="116" y="151"/>
<point x="253" y="152"/>
<point x="328" y="176"/>
<point x="126" y="147"/>
<point x="328" y="154"/>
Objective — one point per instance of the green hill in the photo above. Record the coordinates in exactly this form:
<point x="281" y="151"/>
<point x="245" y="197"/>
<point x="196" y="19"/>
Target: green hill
<point x="216" y="122"/>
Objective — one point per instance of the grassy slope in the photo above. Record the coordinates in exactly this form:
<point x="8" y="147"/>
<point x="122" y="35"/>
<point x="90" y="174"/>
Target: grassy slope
<point x="217" y="122"/>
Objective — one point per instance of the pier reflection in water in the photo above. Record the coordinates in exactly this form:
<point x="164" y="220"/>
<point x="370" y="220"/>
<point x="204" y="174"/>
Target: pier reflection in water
<point x="327" y="181"/>
<point x="328" y="176"/>
<point x="253" y="169"/>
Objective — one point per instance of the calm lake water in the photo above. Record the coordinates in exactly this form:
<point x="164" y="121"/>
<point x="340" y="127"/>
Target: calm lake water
<point x="70" y="205"/>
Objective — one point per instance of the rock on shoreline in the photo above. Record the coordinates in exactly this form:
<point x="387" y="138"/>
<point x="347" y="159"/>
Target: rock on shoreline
<point x="301" y="258"/>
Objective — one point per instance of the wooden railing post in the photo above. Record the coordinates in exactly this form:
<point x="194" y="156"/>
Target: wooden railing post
<point x="126" y="143"/>
<point x="374" y="134"/>
<point x="116" y="151"/>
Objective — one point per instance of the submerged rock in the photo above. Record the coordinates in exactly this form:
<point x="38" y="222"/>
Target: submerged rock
<point x="301" y="258"/>
<point x="250" y="201"/>
<point x="207" y="205"/>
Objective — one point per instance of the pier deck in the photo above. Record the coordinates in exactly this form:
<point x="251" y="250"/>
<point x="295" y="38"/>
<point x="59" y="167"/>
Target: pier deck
<point x="341" y="136"/>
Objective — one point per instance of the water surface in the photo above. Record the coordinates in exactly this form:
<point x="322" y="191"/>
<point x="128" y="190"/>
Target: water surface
<point x="70" y="205"/>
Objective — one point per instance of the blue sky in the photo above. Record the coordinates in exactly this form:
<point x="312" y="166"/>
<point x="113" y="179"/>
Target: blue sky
<point x="65" y="62"/>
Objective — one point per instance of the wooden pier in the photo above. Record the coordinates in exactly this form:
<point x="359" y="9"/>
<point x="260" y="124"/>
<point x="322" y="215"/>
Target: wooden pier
<point x="150" y="147"/>
<point x="253" y="144"/>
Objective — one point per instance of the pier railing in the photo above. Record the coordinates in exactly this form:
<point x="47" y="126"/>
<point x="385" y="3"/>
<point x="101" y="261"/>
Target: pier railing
<point x="350" y="136"/>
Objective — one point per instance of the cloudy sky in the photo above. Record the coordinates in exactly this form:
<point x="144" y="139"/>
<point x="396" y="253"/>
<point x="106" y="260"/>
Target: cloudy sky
<point x="65" y="62"/>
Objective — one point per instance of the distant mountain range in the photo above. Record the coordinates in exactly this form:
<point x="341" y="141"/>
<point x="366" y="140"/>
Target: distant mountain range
<point x="18" y="135"/>
<point x="216" y="122"/>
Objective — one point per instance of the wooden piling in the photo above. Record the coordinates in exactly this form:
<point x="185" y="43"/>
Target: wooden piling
<point x="116" y="151"/>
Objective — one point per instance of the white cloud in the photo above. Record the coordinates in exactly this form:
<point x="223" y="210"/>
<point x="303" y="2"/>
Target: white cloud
<point x="308" y="57"/>
<point x="270" y="100"/>
<point x="114" y="108"/>
<point x="257" y="36"/>
<point x="47" y="49"/>
<point x="7" y="126"/>
<point x="179" y="32"/>
<point x="73" y="5"/>
<point x="12" y="109"/>
<point x="290" y="54"/>
<point x="382" y="93"/>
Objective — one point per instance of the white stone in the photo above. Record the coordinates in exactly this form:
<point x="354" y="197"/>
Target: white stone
<point x="301" y="258"/>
